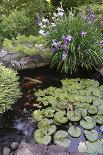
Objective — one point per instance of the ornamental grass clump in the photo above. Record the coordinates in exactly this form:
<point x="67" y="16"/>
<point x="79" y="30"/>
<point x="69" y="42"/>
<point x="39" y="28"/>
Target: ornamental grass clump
<point x="75" y="41"/>
<point x="9" y="88"/>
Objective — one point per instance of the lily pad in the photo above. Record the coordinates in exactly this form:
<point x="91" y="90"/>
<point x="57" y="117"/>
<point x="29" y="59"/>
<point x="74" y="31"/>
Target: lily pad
<point x="73" y="116"/>
<point x="83" y="112"/>
<point x="91" y="135"/>
<point x="49" y="112"/>
<point x="60" y="117"/>
<point x="88" y="123"/>
<point x="92" y="110"/>
<point x="61" y="138"/>
<point x="37" y="115"/>
<point x="45" y="123"/>
<point x="98" y="118"/>
<point x="41" y="137"/>
<point x="87" y="147"/>
<point x="74" y="131"/>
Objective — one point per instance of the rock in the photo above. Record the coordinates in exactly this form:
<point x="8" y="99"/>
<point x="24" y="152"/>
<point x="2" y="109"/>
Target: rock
<point x="57" y="150"/>
<point x="14" y="145"/>
<point x="6" y="151"/>
<point x="18" y="61"/>
<point x="28" y="149"/>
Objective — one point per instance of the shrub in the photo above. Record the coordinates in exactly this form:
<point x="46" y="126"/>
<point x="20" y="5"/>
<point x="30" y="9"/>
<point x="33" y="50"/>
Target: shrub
<point x="15" y="23"/>
<point x="26" y="45"/>
<point x="75" y="42"/>
<point x="9" y="88"/>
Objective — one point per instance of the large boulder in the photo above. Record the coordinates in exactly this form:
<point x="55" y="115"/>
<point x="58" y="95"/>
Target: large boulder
<point x="18" y="61"/>
<point x="28" y="149"/>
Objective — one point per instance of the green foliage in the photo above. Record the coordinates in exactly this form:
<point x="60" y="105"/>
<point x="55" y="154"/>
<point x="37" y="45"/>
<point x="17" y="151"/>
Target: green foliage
<point x="15" y="23"/>
<point x="73" y="105"/>
<point x="26" y="45"/>
<point x="9" y="88"/>
<point x="82" y="50"/>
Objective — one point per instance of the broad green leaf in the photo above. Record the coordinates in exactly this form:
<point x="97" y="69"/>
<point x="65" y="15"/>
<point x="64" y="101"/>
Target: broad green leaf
<point x="73" y="116"/>
<point x="74" y="131"/>
<point x="88" y="123"/>
<point x="41" y="137"/>
<point x="91" y="135"/>
<point x="61" y="138"/>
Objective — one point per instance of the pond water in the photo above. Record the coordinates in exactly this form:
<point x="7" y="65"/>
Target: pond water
<point x="17" y="124"/>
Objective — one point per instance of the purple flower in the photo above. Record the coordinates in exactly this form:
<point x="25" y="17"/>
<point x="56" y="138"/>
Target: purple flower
<point x="54" y="49"/>
<point x="101" y="43"/>
<point x="67" y="39"/>
<point x="64" y="55"/>
<point x="83" y="33"/>
<point x="37" y="20"/>
<point x="64" y="47"/>
<point x="90" y="17"/>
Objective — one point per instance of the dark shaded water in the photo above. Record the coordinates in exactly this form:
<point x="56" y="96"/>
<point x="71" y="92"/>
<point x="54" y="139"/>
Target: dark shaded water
<point x="17" y="124"/>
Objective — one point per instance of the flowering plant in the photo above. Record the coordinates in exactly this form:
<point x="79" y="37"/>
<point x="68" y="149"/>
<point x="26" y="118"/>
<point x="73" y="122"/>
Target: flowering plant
<point x="75" y="41"/>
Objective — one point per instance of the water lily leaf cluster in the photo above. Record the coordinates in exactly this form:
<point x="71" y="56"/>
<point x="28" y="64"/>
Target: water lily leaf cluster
<point x="78" y="105"/>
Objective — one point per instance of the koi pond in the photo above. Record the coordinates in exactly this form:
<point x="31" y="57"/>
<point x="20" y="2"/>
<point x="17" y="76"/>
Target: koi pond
<point x="57" y="110"/>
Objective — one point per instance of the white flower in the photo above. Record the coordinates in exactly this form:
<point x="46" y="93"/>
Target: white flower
<point x="60" y="9"/>
<point x="55" y="14"/>
<point x="43" y="26"/>
<point x="40" y="24"/>
<point x="60" y="14"/>
<point x="45" y="20"/>
<point x="42" y="32"/>
<point x="53" y="24"/>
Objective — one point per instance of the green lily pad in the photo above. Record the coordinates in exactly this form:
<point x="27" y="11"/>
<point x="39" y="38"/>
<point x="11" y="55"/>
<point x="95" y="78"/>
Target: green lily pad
<point x="74" y="131"/>
<point x="97" y="102"/>
<point x="88" y="123"/>
<point x="45" y="123"/>
<point x="41" y="137"/>
<point x="61" y="104"/>
<point x="73" y="116"/>
<point x="37" y="115"/>
<point x="99" y="146"/>
<point x="98" y="118"/>
<point x="92" y="110"/>
<point x="61" y="138"/>
<point x="87" y="147"/>
<point x="91" y="135"/>
<point x="83" y="112"/>
<point x="49" y="112"/>
<point x="60" y="117"/>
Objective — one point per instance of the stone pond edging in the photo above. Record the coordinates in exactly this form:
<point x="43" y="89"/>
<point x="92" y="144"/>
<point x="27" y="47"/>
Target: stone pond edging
<point x="18" y="61"/>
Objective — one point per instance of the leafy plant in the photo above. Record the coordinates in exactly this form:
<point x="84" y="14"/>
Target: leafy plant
<point x="26" y="45"/>
<point x="75" y="42"/>
<point x="9" y="88"/>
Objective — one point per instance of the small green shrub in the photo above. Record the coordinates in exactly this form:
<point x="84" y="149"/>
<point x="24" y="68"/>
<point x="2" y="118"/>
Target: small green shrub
<point x="9" y="88"/>
<point x="74" y="41"/>
<point x="26" y="45"/>
<point x="15" y="23"/>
